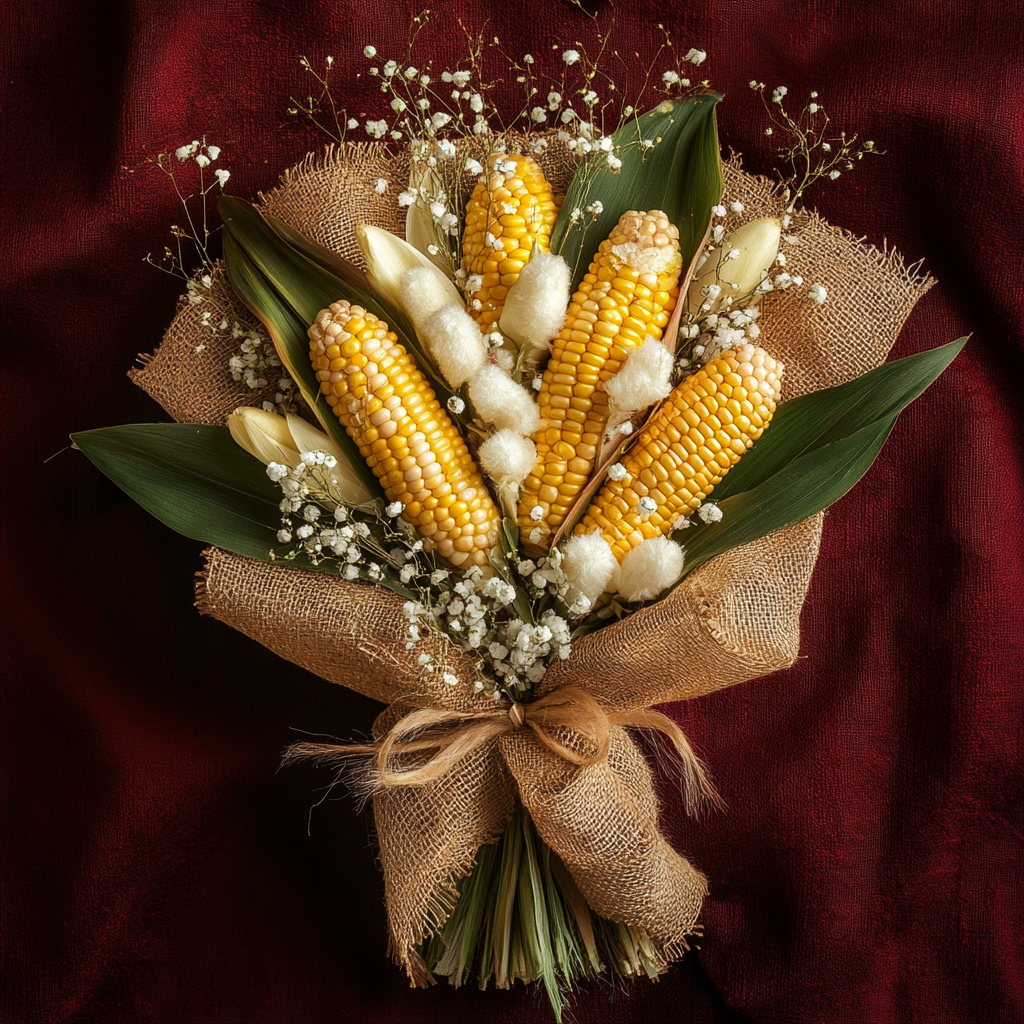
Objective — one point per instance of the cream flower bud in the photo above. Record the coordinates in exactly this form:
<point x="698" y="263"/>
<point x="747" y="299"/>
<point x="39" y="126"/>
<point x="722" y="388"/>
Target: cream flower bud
<point x="283" y="440"/>
<point x="388" y="257"/>
<point x="757" y="244"/>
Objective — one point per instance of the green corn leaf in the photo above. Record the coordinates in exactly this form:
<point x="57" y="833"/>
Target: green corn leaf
<point x="307" y="278"/>
<point x="681" y="175"/>
<point x="816" y="448"/>
<point x="195" y="479"/>
<point x="288" y="334"/>
<point x="807" y="485"/>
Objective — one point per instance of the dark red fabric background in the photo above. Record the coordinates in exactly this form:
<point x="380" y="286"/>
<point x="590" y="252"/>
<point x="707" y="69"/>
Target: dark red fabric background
<point x="157" y="866"/>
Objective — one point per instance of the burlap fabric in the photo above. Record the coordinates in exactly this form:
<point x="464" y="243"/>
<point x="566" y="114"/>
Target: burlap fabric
<point x="734" y="619"/>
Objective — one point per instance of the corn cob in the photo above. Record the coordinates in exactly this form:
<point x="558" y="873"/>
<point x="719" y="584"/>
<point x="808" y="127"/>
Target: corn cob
<point x="692" y="441"/>
<point x="686" y="449"/>
<point x="511" y="212"/>
<point x="387" y="407"/>
<point x="628" y="294"/>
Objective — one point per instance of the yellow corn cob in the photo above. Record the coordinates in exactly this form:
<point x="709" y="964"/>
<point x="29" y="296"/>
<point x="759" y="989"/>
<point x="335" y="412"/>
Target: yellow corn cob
<point x="511" y="211"/>
<point x="629" y="294"/>
<point x="387" y="407"/>
<point x="689" y="445"/>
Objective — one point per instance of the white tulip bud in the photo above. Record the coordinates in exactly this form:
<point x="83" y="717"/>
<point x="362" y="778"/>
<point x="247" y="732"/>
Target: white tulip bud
<point x="757" y="244"/>
<point x="388" y="257"/>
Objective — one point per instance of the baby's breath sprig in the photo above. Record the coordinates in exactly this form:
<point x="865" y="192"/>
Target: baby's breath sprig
<point x="196" y="231"/>
<point x="811" y="151"/>
<point x="320" y="110"/>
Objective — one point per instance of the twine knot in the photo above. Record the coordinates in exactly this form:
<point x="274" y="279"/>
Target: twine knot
<point x="518" y="715"/>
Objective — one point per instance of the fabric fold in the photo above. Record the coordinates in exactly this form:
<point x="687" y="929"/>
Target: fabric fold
<point x="602" y="821"/>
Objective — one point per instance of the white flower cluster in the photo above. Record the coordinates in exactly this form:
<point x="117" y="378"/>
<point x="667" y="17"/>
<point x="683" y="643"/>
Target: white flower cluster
<point x="715" y="333"/>
<point x="255" y="363"/>
<point x="203" y="155"/>
<point x="315" y="518"/>
<point x="478" y="613"/>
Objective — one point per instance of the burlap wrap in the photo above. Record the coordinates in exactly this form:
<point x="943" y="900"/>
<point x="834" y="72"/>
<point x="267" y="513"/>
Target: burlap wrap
<point x="734" y="619"/>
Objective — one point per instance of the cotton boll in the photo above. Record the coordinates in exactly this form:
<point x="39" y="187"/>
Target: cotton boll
<point x="589" y="564"/>
<point x="506" y="455"/>
<point x="498" y="399"/>
<point x="507" y="458"/>
<point x="421" y="296"/>
<point x="642" y="381"/>
<point x="454" y="340"/>
<point x="535" y="305"/>
<point x="649" y="568"/>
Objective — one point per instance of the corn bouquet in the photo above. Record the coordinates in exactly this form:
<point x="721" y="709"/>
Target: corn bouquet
<point x="517" y="455"/>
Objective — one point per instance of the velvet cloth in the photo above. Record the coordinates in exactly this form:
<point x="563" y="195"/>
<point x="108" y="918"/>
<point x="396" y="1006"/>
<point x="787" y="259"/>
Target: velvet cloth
<point x="157" y="866"/>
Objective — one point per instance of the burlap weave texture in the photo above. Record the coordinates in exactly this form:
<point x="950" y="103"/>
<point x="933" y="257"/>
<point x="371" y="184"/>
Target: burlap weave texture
<point x="734" y="619"/>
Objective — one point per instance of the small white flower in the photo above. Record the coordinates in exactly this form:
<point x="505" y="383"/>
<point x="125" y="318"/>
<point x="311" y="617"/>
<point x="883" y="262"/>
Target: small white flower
<point x="450" y="679"/>
<point x="710" y="513"/>
<point x="474" y="167"/>
<point x="834" y="174"/>
<point x="783" y="281"/>
<point x="613" y="162"/>
<point x="476" y="102"/>
<point x="395" y="509"/>
<point x="276" y="471"/>
<point x="398" y="104"/>
<point x="596" y="207"/>
<point x="778" y="94"/>
<point x="695" y="56"/>
<point x="222" y="176"/>
<point x="647" y="507"/>
<point x="376" y="129"/>
<point x="411" y="72"/>
<point x="390" y="68"/>
<point x="440" y="119"/>
<point x="406" y="198"/>
<point x="460" y="78"/>
<point x="536" y="513"/>
<point x="527" y="59"/>
<point x="456" y="405"/>
<point x="554" y="99"/>
<point x="539" y="115"/>
<point x="304" y="531"/>
<point x="817" y="293"/>
<point x="446" y="148"/>
<point x="734" y="254"/>
<point x="570" y="56"/>
<point x="370" y="51"/>
<point x="284" y="536"/>
<point x="670" y="78"/>
<point x="352" y="123"/>
<point x="203" y="160"/>
<point x="213" y="152"/>
<point x="736" y="207"/>
<point x="826" y="148"/>
<point x="617" y="471"/>
<point x="380" y="186"/>
<point x="812" y="108"/>
<point x="718" y="210"/>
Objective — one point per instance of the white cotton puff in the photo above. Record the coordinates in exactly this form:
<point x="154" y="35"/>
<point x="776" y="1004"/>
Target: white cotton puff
<point x="454" y="340"/>
<point x="589" y="564"/>
<point x="498" y="399"/>
<point x="421" y="295"/>
<point x="649" y="568"/>
<point x="535" y="305"/>
<point x="643" y="380"/>
<point x="507" y="457"/>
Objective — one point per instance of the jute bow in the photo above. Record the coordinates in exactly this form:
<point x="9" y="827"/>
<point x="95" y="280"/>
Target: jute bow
<point x="428" y="743"/>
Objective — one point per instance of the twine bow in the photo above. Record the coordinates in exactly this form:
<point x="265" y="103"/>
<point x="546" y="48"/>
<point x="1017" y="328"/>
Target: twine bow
<point x="568" y="721"/>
